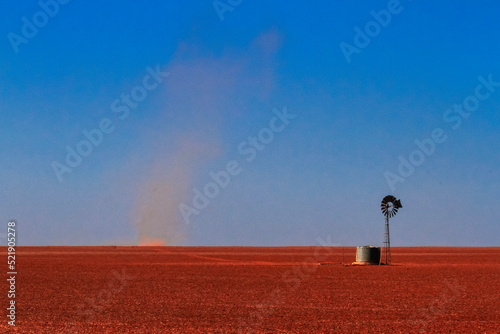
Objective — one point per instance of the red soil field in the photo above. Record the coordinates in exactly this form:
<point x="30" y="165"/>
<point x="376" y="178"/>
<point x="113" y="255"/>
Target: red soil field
<point x="253" y="290"/>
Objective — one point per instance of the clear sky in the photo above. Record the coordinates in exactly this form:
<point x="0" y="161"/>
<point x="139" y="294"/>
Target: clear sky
<point x="116" y="117"/>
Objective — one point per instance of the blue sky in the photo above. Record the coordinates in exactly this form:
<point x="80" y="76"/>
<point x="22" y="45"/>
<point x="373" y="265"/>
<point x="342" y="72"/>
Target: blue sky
<point x="219" y="83"/>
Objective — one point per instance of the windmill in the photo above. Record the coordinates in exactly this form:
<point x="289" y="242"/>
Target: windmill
<point x="389" y="206"/>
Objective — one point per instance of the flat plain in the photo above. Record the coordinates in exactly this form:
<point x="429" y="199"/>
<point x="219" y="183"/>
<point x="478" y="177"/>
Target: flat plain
<point x="113" y="289"/>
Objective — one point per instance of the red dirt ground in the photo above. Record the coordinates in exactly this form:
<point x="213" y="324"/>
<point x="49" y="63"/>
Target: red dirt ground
<point x="253" y="290"/>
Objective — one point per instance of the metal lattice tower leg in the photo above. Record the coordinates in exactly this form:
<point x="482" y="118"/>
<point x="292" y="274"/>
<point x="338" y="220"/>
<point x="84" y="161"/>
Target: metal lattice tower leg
<point x="387" y="242"/>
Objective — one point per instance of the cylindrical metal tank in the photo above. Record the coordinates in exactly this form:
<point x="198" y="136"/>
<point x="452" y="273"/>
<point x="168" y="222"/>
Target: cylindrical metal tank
<point x="368" y="255"/>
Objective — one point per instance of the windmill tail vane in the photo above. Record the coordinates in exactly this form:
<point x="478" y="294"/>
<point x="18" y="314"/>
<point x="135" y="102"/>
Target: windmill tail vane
<point x="389" y="206"/>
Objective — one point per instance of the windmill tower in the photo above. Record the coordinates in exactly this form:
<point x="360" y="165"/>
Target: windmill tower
<point x="389" y="206"/>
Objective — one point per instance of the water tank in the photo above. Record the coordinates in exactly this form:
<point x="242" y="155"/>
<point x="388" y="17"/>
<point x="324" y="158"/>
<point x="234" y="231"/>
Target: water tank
<point x="368" y="255"/>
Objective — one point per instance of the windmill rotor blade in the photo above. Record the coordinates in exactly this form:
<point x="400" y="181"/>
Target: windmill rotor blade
<point x="390" y="206"/>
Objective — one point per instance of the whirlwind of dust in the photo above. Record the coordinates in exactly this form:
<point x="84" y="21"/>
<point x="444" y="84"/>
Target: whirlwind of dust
<point x="201" y="95"/>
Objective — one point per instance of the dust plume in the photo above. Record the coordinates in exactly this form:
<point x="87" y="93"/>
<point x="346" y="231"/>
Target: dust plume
<point x="201" y="94"/>
<point x="168" y="183"/>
